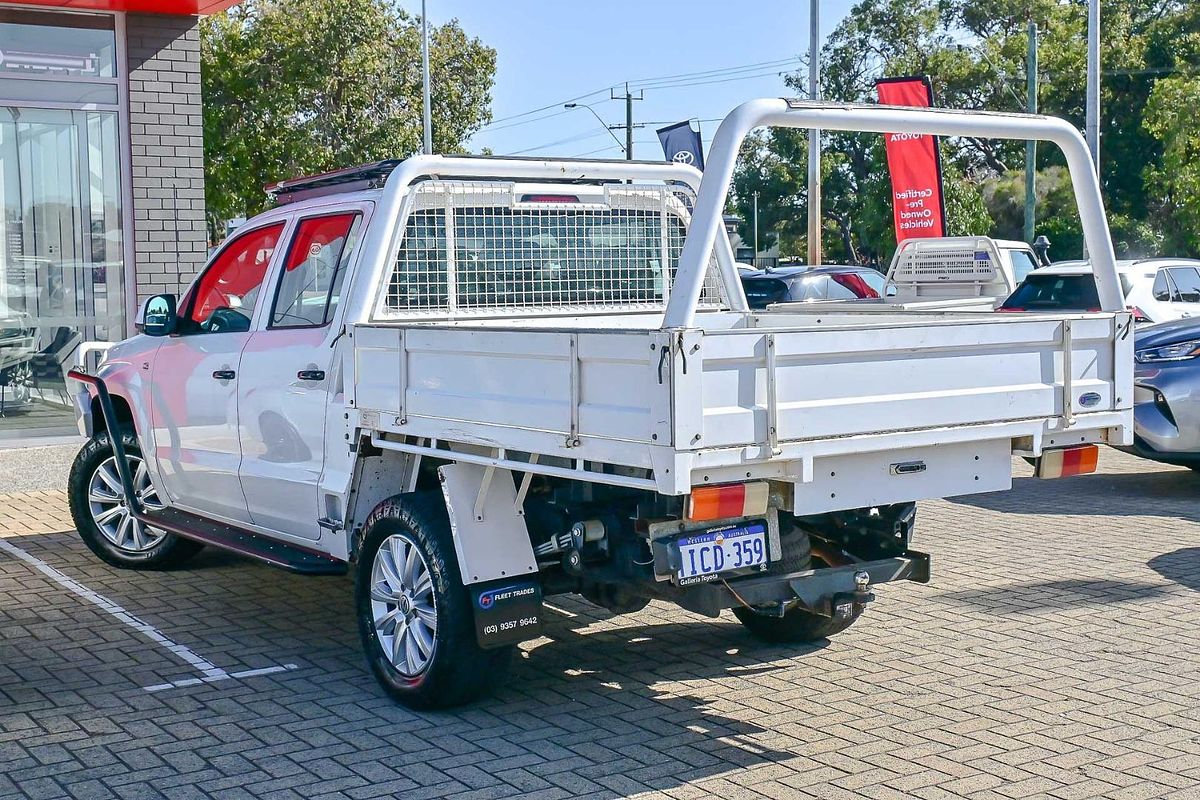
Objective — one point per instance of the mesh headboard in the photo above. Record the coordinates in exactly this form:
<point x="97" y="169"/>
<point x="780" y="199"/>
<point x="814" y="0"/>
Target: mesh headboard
<point x="484" y="248"/>
<point x="951" y="259"/>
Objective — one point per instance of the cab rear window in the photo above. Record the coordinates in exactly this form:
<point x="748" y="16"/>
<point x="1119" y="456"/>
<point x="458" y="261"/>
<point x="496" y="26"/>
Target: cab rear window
<point x="1074" y="292"/>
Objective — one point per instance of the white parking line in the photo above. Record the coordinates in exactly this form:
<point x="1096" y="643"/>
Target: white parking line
<point x="246" y="673"/>
<point x="562" y="611"/>
<point x="209" y="670"/>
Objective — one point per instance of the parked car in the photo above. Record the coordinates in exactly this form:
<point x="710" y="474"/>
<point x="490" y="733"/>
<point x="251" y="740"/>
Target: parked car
<point x="1068" y="286"/>
<point x="1162" y="289"/>
<point x="808" y="284"/>
<point x="1155" y="289"/>
<point x="1166" y="393"/>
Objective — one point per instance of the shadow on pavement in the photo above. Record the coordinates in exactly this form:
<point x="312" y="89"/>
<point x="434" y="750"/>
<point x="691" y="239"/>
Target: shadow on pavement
<point x="607" y="698"/>
<point x="1022" y="598"/>
<point x="1181" y="566"/>
<point x="1163" y="493"/>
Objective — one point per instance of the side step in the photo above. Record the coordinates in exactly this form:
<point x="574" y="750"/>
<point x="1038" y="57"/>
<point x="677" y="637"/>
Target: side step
<point x="284" y="555"/>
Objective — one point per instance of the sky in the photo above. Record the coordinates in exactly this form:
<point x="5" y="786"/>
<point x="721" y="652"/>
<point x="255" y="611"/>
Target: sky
<point x="550" y="52"/>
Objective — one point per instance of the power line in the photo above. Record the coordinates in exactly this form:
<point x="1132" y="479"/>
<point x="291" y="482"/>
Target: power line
<point x="667" y="81"/>
<point x="558" y="113"/>
<point x="576" y="138"/>
<point x="722" y="80"/>
<point x="610" y="147"/>
<point x="559" y="104"/>
<point x="660" y="82"/>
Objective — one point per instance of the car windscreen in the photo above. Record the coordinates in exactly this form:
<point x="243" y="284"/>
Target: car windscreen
<point x="1073" y="292"/>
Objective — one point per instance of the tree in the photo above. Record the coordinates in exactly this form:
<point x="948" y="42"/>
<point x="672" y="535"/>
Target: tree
<point x="1170" y="117"/>
<point x="295" y="87"/>
<point x="974" y="51"/>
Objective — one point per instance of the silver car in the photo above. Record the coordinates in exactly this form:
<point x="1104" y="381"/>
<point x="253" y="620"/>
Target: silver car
<point x="1166" y="393"/>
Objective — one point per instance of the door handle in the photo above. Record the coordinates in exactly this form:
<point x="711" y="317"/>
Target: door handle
<point x="224" y="374"/>
<point x="311" y="374"/>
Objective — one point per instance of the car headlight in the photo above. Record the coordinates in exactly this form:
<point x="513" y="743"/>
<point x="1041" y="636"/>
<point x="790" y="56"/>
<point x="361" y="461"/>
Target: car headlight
<point x="1180" y="351"/>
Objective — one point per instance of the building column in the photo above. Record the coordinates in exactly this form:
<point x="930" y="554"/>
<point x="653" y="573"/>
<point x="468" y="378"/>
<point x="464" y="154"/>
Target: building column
<point x="167" y="151"/>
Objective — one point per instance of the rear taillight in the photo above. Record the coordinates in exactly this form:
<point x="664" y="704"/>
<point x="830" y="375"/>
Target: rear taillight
<point x="1138" y="314"/>
<point x="1068" y="461"/>
<point x="727" y="501"/>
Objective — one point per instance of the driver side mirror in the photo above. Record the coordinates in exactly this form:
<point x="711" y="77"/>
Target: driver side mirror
<point x="159" y="316"/>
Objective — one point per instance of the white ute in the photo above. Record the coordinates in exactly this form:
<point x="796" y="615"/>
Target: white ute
<point x="477" y="382"/>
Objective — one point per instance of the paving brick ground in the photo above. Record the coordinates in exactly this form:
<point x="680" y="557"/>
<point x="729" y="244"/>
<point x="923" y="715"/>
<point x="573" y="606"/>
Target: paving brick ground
<point x="1056" y="654"/>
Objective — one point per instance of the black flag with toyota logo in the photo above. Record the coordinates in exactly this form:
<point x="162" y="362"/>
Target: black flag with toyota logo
<point x="682" y="144"/>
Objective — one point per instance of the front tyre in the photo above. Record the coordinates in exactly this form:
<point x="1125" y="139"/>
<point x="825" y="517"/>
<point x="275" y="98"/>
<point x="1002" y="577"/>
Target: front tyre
<point x="102" y="517"/>
<point x="414" y="613"/>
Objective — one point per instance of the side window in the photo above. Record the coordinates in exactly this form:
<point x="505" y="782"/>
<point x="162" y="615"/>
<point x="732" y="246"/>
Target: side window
<point x="875" y="280"/>
<point x="228" y="290"/>
<point x="1162" y="287"/>
<point x="1023" y="263"/>
<point x="1187" y="283"/>
<point x="813" y="288"/>
<point x="852" y="286"/>
<point x="310" y="287"/>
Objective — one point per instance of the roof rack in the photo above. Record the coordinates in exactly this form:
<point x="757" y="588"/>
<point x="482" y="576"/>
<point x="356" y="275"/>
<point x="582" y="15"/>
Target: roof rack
<point x="373" y="176"/>
<point x="349" y="179"/>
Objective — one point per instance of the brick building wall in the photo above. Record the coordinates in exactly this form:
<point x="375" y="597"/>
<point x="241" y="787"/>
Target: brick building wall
<point x="166" y="137"/>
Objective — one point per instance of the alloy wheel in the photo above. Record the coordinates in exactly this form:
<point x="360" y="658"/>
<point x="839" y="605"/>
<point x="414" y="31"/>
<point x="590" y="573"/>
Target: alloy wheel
<point x="110" y="512"/>
<point x="403" y="605"/>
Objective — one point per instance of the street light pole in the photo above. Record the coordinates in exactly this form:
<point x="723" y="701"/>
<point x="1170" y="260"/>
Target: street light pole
<point x="425" y="111"/>
<point x="1092" y="128"/>
<point x="607" y="127"/>
<point x="814" y="138"/>
<point x="756" y="230"/>
<point x="1031" y="105"/>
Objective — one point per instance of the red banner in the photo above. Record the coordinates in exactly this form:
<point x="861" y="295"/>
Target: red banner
<point x="915" y="164"/>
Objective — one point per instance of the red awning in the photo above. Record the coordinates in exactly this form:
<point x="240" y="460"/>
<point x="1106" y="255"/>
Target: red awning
<point x="178" y="7"/>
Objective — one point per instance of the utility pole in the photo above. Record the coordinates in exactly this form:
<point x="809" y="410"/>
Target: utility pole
<point x="814" y="137"/>
<point x="1092" y="129"/>
<point x="629" y="98"/>
<point x="1031" y="105"/>
<point x="756" y="230"/>
<point x="425" y="112"/>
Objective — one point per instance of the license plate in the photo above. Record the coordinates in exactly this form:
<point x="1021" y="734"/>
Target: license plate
<point x="713" y="552"/>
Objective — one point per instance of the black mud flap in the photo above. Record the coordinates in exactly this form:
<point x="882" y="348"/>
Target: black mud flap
<point x="507" y="611"/>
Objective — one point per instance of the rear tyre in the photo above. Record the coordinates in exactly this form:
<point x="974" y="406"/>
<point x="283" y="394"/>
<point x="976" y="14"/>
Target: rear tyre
<point x="797" y="625"/>
<point x="414" y="613"/>
<point x="102" y="517"/>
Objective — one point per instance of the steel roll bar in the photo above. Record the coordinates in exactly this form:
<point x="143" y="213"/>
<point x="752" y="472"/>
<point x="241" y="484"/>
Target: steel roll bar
<point x="722" y="157"/>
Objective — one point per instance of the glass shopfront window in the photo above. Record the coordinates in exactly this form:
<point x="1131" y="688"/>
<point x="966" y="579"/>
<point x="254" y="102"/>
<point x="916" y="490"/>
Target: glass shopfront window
<point x="59" y="45"/>
<point x="61" y="262"/>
